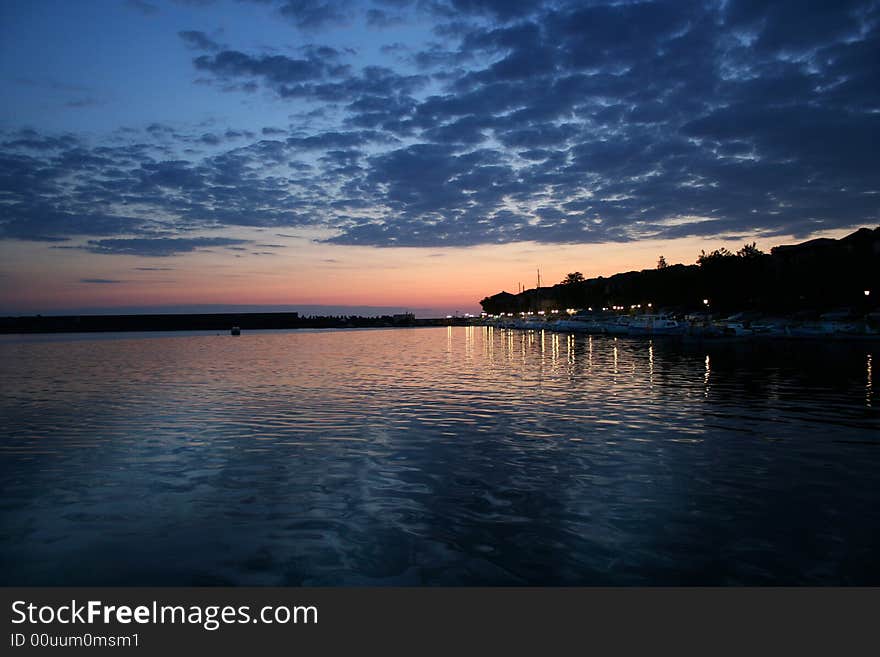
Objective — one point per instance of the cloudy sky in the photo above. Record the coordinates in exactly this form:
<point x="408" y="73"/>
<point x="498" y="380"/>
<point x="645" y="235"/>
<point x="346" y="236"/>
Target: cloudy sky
<point x="416" y="153"/>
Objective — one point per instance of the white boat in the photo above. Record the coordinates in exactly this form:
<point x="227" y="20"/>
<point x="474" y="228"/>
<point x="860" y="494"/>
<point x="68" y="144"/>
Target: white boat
<point x="530" y="324"/>
<point x="649" y="324"/>
<point x="735" y="328"/>
<point x="817" y="329"/>
<point x="582" y="324"/>
<point x="619" y="326"/>
<point x="769" y="327"/>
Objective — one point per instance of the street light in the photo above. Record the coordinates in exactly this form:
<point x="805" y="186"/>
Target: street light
<point x="867" y="293"/>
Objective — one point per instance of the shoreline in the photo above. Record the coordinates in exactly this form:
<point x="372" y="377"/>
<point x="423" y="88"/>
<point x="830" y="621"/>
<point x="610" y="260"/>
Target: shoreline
<point x="695" y="337"/>
<point x="222" y="322"/>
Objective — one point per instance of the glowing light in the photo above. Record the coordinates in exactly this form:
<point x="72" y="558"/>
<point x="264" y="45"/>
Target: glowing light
<point x="867" y="293"/>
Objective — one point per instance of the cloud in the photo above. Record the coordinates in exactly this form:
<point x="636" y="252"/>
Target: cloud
<point x="275" y="69"/>
<point x="312" y="14"/>
<point x="380" y="19"/>
<point x="555" y="122"/>
<point x="198" y="40"/>
<point x="144" y="7"/>
<point x="157" y="247"/>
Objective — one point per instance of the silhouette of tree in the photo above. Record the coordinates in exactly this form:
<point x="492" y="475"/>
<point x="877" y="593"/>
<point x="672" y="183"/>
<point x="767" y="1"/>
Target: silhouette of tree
<point x="661" y="263"/>
<point x="574" y="277"/>
<point x="712" y="257"/>
<point x="749" y="251"/>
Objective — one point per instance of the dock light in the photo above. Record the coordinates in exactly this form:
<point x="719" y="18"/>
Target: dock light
<point x="649" y="305"/>
<point x="590" y="309"/>
<point x="540" y="312"/>
<point x="867" y="293"/>
<point x="705" y="302"/>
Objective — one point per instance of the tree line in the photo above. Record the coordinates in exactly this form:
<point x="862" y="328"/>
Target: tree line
<point x="816" y="275"/>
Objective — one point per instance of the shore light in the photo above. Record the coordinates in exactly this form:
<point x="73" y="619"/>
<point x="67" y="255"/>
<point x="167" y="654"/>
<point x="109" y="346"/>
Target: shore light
<point x="705" y="302"/>
<point x="867" y="293"/>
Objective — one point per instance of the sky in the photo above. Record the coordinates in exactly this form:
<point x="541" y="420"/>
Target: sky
<point x="416" y="154"/>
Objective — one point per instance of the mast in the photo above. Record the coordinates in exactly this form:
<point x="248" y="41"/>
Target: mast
<point x="538" y="292"/>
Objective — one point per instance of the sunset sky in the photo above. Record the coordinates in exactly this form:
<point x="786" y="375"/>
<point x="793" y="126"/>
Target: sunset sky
<point x="416" y="154"/>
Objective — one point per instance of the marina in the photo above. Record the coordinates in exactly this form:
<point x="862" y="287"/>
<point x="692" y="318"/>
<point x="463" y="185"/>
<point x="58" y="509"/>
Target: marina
<point x="841" y="326"/>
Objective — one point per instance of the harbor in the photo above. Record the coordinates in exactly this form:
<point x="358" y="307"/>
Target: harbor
<point x="833" y="325"/>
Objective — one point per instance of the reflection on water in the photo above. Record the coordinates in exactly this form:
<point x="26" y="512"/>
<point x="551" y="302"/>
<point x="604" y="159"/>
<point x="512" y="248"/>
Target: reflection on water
<point x="436" y="456"/>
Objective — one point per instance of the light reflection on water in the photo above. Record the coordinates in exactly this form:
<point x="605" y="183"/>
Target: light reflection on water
<point x="436" y="456"/>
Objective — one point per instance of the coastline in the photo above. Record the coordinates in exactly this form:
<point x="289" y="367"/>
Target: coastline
<point x="208" y="322"/>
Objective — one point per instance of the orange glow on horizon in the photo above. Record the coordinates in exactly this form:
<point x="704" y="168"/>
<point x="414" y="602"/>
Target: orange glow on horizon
<point x="308" y="273"/>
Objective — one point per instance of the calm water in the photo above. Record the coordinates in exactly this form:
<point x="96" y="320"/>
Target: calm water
<point x="455" y="456"/>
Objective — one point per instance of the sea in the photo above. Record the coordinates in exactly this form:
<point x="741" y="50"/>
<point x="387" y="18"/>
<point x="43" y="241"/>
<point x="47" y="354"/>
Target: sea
<point x="448" y="456"/>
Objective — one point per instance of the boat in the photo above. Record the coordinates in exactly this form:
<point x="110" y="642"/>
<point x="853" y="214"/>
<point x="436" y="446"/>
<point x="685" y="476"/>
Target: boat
<point x="699" y="325"/>
<point x="650" y="324"/>
<point x="821" y="329"/>
<point x="593" y="323"/>
<point x="735" y="328"/>
<point x="619" y="326"/>
<point x="773" y="327"/>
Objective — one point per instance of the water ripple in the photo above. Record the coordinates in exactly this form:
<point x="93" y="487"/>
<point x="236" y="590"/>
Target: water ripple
<point x="436" y="456"/>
